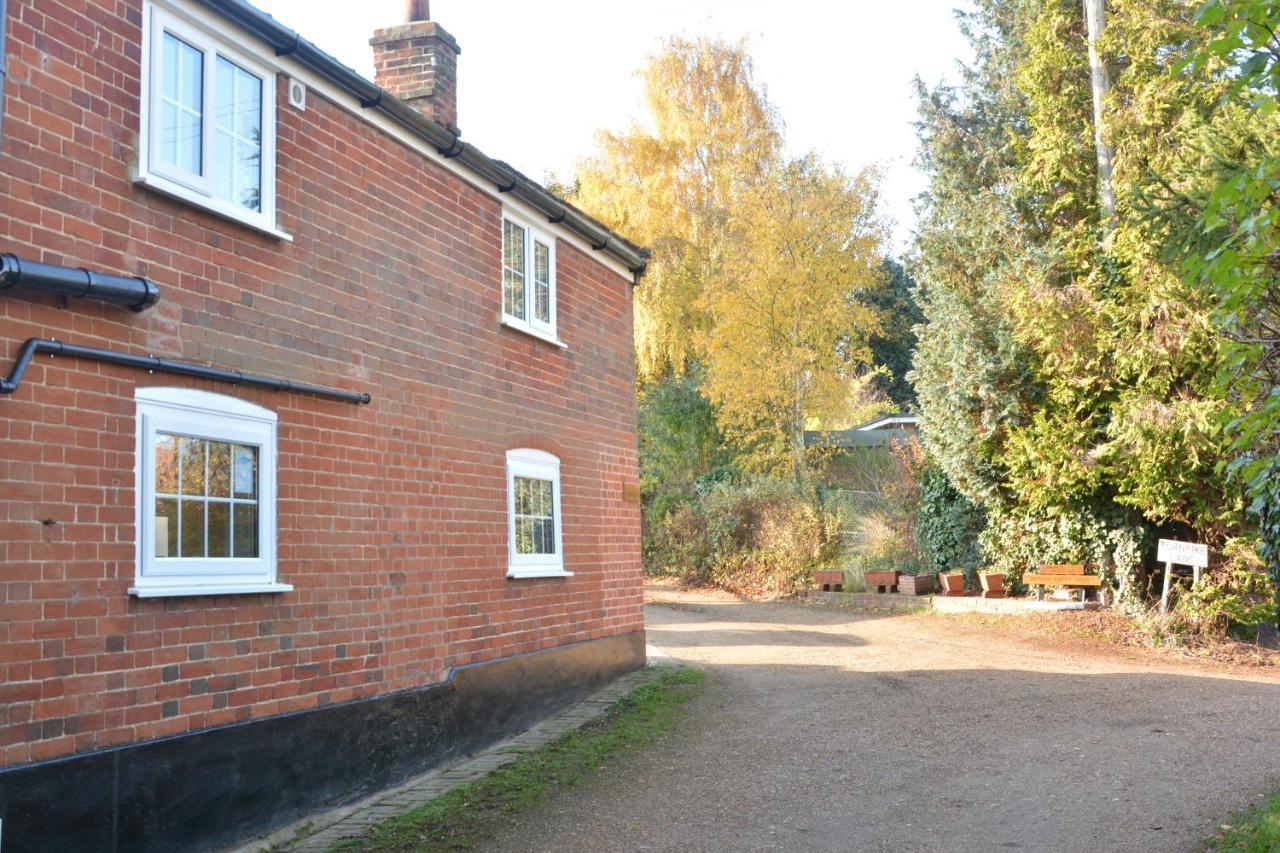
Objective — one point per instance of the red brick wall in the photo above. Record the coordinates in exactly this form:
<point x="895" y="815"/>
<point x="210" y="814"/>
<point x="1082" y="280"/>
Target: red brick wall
<point x="392" y="516"/>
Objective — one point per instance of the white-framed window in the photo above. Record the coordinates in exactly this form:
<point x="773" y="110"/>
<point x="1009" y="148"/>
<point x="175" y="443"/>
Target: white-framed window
<point x="533" y="515"/>
<point x="208" y="133"/>
<point x="528" y="279"/>
<point x="205" y="494"/>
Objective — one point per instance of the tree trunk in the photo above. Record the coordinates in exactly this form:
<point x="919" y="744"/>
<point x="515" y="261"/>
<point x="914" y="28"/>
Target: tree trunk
<point x="1095" y="19"/>
<point x="797" y="427"/>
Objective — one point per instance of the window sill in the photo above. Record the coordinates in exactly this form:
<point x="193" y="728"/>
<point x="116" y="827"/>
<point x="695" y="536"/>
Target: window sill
<point x="524" y="573"/>
<point x="227" y="589"/>
<point x="520" y="326"/>
<point x="226" y="211"/>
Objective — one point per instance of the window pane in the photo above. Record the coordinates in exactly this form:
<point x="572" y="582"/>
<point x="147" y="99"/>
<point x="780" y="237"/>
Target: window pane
<point x="219" y="529"/>
<point x="245" y="471"/>
<point x="166" y="527"/>
<point x="181" y="104"/>
<point x="219" y="469"/>
<point x="249" y="106"/>
<point x="192" y="544"/>
<point x="237" y="165"/>
<point x="168" y="133"/>
<point x="191" y="80"/>
<point x="166" y="465"/>
<point x="534" y="516"/>
<point x="249" y="175"/>
<point x="524" y="536"/>
<point x="224" y="148"/>
<point x="189" y="129"/>
<point x="512" y="294"/>
<point x="513" y="273"/>
<point x="192" y="453"/>
<point x="549" y="536"/>
<point x="522" y="496"/>
<point x="246" y="529"/>
<point x="172" y="69"/>
<point x="541" y="282"/>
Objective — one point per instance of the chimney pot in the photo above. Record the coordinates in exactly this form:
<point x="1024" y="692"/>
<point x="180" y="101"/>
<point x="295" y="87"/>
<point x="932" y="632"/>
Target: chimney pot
<point x="417" y="10"/>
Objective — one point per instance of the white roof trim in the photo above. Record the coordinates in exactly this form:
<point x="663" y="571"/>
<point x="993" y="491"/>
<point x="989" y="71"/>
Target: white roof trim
<point x="887" y="421"/>
<point x="266" y="55"/>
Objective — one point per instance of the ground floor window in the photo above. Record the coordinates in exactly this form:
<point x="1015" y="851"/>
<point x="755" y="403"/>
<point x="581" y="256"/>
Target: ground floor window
<point x="533" y="510"/>
<point x="205" y="495"/>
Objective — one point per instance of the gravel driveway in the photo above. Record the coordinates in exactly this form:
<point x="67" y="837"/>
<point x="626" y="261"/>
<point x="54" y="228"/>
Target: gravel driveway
<point x="825" y="729"/>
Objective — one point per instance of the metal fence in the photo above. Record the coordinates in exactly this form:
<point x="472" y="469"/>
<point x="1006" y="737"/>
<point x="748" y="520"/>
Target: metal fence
<point x="853" y="505"/>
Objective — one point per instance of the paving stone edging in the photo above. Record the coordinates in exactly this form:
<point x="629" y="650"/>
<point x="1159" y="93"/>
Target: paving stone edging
<point x="939" y="603"/>
<point x="319" y="833"/>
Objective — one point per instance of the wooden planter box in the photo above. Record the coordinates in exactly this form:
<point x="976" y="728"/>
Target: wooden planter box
<point x="916" y="585"/>
<point x="882" y="581"/>
<point x="829" y="580"/>
<point x="992" y="585"/>
<point x="951" y="584"/>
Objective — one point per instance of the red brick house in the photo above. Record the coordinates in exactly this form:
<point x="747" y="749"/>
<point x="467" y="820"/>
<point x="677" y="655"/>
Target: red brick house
<point x="317" y="434"/>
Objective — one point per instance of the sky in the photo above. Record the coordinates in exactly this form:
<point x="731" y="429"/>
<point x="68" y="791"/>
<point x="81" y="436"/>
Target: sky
<point x="538" y="80"/>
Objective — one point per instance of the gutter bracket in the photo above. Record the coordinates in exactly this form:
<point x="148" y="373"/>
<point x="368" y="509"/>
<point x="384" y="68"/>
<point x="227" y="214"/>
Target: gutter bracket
<point x="290" y="48"/>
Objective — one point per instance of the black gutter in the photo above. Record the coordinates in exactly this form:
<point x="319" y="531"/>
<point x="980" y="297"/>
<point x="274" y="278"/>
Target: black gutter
<point x="76" y="282"/>
<point x="4" y="68"/>
<point x="165" y="365"/>
<point x="287" y="42"/>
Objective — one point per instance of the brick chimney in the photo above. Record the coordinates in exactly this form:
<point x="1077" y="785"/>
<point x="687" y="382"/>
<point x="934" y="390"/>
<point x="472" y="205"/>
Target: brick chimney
<point x="417" y="61"/>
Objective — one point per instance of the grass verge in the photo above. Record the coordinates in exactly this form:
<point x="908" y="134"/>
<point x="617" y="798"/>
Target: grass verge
<point x="471" y="813"/>
<point x="1256" y="830"/>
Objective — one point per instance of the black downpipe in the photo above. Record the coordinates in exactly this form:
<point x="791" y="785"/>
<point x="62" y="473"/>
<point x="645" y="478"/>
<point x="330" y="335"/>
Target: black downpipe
<point x="4" y="68"/>
<point x="77" y="283"/>
<point x="165" y="365"/>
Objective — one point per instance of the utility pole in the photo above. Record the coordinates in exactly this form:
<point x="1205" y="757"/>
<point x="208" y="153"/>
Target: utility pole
<point x="1095" y="18"/>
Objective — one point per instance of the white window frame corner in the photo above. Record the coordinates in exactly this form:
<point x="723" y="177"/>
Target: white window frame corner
<point x="197" y="190"/>
<point x="547" y="331"/>
<point x="216" y="417"/>
<point x="540" y="465"/>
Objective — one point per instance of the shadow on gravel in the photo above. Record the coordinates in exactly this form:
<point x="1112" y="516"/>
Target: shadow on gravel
<point x="819" y="757"/>
<point x="830" y="730"/>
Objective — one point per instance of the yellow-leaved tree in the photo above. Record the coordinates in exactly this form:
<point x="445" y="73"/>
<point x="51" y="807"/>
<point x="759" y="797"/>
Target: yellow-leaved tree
<point x="787" y="334"/>
<point x="675" y="183"/>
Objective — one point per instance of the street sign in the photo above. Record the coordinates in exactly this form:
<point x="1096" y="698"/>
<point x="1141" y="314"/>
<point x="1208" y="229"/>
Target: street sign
<point x="1183" y="553"/>
<point x="1171" y="552"/>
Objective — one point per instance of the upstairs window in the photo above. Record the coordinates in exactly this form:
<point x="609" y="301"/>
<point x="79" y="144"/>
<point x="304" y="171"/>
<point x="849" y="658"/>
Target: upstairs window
<point x="206" y="495"/>
<point x="528" y="279"/>
<point x="208" y="133"/>
<point x="533" y="510"/>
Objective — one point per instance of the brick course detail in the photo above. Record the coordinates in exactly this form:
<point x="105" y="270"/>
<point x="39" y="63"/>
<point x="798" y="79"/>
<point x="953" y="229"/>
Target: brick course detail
<point x="391" y="517"/>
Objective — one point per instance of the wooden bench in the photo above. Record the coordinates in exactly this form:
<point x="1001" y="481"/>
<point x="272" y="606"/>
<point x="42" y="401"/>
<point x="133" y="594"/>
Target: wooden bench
<point x="1070" y="576"/>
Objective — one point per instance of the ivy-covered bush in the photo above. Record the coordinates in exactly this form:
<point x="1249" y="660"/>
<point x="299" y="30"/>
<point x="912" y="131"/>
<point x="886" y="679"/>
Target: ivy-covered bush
<point x="1015" y="542"/>
<point x="759" y="536"/>
<point x="1238" y="590"/>
<point x="948" y="526"/>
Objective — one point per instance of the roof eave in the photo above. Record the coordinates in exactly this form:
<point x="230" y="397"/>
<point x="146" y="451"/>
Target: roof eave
<point x="287" y="42"/>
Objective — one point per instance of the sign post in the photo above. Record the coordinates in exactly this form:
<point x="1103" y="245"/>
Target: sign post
<point x="1171" y="551"/>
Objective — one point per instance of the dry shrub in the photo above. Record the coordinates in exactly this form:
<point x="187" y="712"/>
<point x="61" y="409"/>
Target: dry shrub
<point x="762" y="537"/>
